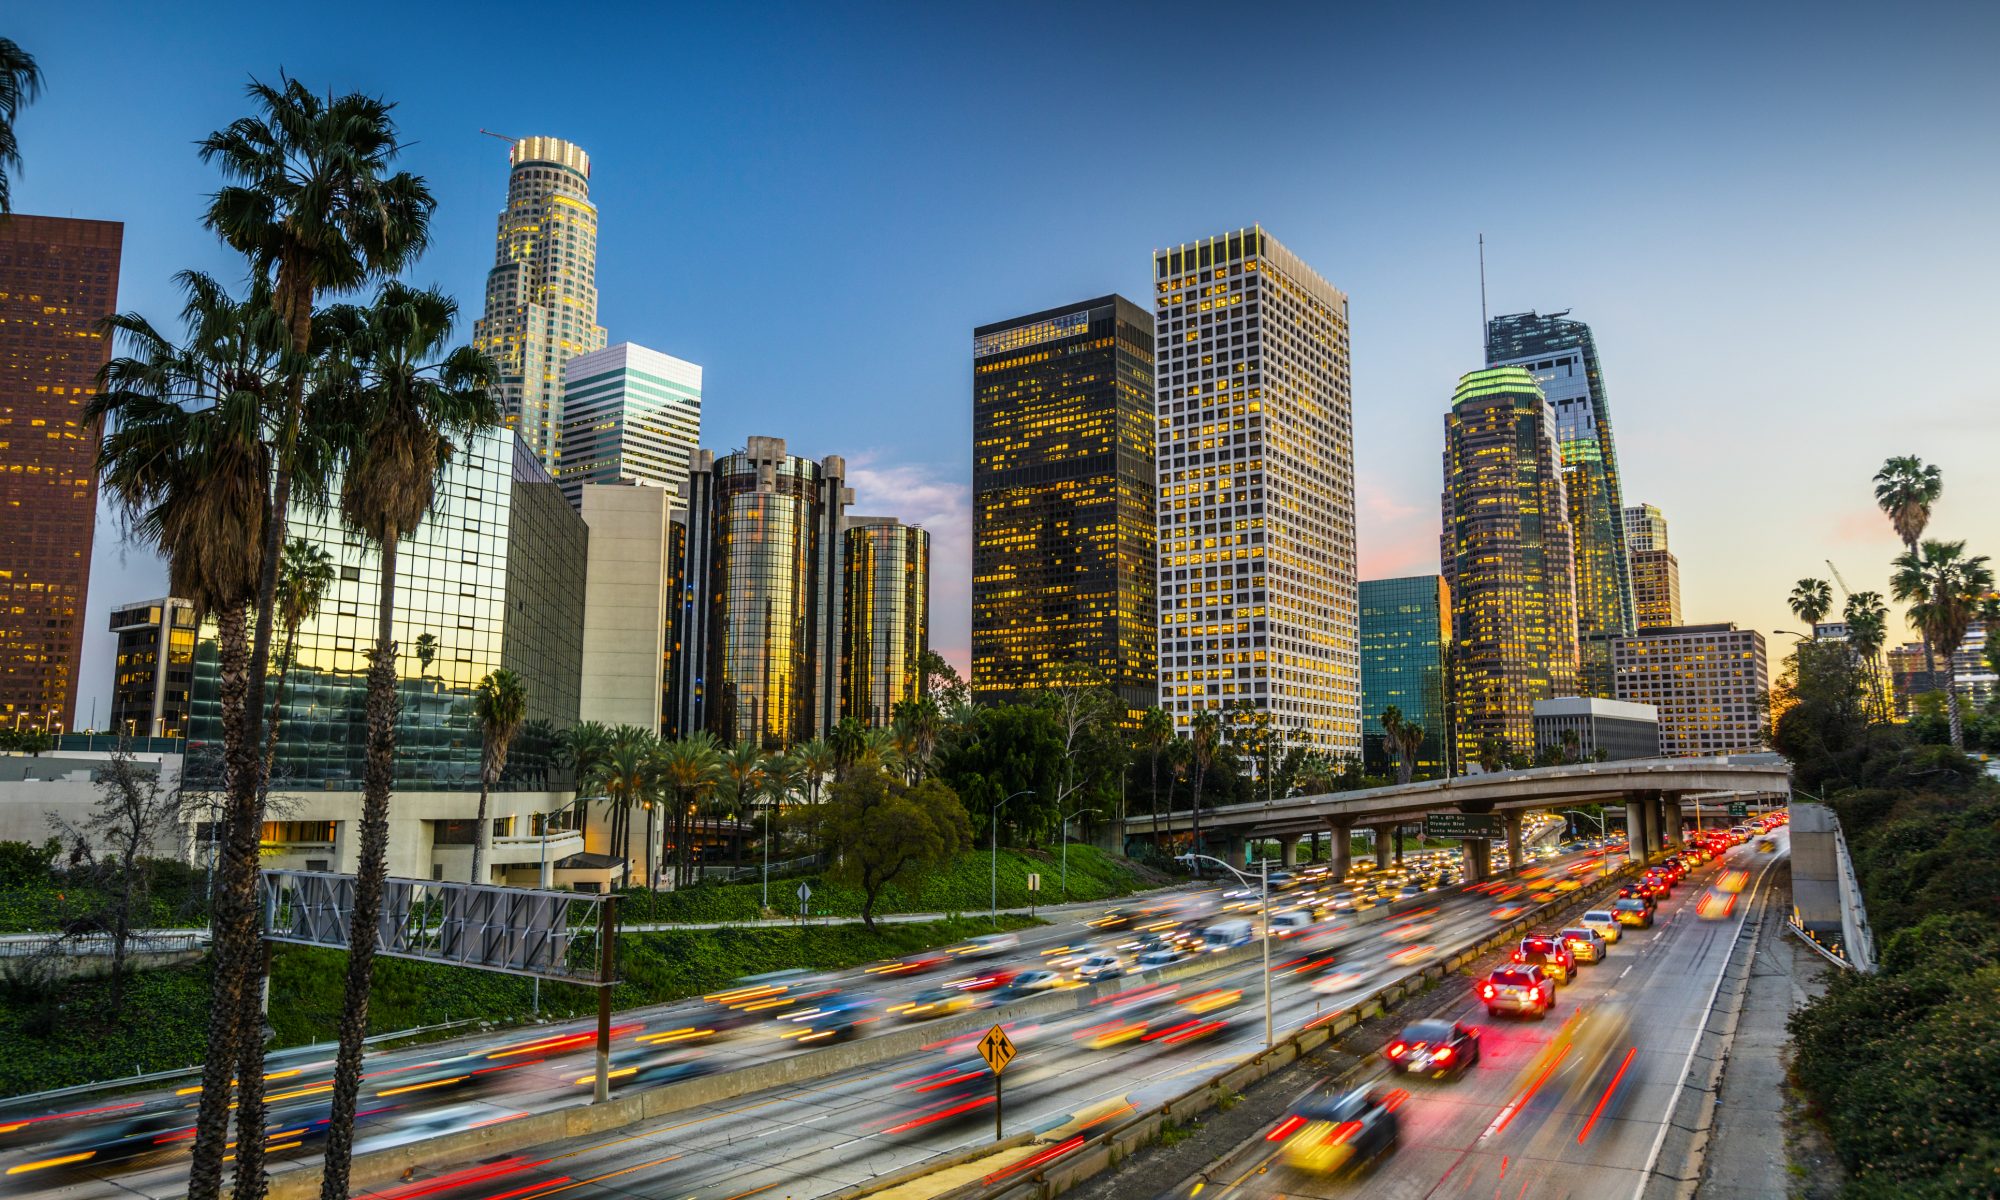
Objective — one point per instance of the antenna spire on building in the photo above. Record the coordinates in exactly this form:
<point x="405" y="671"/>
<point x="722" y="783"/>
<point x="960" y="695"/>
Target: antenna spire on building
<point x="1482" y="294"/>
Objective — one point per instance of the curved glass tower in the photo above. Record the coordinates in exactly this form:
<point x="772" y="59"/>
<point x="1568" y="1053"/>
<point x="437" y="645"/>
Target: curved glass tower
<point x="888" y="568"/>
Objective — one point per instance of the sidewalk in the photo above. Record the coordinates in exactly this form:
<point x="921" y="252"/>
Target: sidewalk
<point x="1764" y="1146"/>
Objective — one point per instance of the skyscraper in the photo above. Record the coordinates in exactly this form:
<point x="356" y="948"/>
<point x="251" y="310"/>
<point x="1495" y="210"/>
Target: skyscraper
<point x="1562" y="357"/>
<point x="1656" y="573"/>
<point x="1405" y="637"/>
<point x="541" y="295"/>
<point x="1063" y="516"/>
<point x="630" y="415"/>
<point x="887" y="602"/>
<point x="1711" y="684"/>
<point x="154" y="670"/>
<point x="761" y="633"/>
<point x="1256" y="489"/>
<point x="58" y="279"/>
<point x="1507" y="558"/>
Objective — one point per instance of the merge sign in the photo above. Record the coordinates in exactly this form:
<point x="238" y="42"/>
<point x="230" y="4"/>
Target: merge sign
<point x="997" y="1049"/>
<point x="1463" y="825"/>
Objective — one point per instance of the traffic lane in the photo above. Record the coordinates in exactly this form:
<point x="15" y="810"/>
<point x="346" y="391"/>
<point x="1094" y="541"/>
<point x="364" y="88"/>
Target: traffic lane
<point x="1569" y="1105"/>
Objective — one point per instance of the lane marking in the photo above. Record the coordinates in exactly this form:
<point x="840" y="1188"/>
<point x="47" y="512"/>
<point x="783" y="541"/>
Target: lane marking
<point x="1622" y="974"/>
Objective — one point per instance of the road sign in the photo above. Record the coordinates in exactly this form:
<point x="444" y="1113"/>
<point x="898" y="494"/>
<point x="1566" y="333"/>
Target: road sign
<point x="1463" y="825"/>
<point x="805" y="892"/>
<point x="997" y="1049"/>
<point x="1739" y="808"/>
<point x="1034" y="883"/>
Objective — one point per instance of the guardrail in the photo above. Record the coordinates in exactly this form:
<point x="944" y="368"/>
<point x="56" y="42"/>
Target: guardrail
<point x="1853" y="909"/>
<point x="1066" y="1163"/>
<point x="1831" y="954"/>
<point x="102" y="944"/>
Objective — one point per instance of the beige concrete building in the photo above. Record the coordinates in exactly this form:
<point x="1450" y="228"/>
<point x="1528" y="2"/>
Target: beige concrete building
<point x="1710" y="683"/>
<point x="628" y="604"/>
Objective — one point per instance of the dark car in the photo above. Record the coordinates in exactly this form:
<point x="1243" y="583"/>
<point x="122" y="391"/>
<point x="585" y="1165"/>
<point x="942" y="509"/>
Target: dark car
<point x="1435" y="1048"/>
<point x="1635" y="912"/>
<point x="1329" y="1135"/>
<point x="1643" y="895"/>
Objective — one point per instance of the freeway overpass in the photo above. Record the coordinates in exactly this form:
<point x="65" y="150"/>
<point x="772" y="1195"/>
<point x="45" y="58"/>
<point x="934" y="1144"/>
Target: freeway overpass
<point x="1653" y="792"/>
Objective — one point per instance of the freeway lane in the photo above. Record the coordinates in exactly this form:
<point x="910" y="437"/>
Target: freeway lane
<point x="1571" y="1106"/>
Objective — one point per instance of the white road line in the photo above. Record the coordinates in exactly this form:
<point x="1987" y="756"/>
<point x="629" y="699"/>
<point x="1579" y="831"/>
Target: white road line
<point x="1666" y="1118"/>
<point x="1627" y="971"/>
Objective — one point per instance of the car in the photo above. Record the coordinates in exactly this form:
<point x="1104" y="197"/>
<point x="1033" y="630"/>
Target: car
<point x="1224" y="935"/>
<point x="1328" y="1135"/>
<point x="1100" y="966"/>
<point x="1518" y="988"/>
<point x="989" y="944"/>
<point x="831" y="1018"/>
<point x="1291" y="921"/>
<point x="1603" y="923"/>
<point x="1409" y="891"/>
<point x="1586" y="943"/>
<point x="932" y="1003"/>
<point x="1030" y="983"/>
<point x="1633" y="891"/>
<point x="1715" y="905"/>
<point x="1159" y="956"/>
<point x="1435" y="1048"/>
<point x="1549" y="953"/>
<point x="1633" y="912"/>
<point x="1116" y="918"/>
<point x="1766" y="846"/>
<point x="989" y="980"/>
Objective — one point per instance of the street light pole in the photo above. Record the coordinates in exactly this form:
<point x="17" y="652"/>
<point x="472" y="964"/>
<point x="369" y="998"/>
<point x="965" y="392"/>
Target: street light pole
<point x="993" y="856"/>
<point x="1065" y="847"/>
<point x="1264" y="877"/>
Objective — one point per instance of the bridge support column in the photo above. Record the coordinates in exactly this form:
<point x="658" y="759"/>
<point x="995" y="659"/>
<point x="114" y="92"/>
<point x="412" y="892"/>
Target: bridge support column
<point x="1513" y="822"/>
<point x="1288" y="850"/>
<point x="1384" y="836"/>
<point x="1399" y="844"/>
<point x="1635" y="829"/>
<point x="1340" y="843"/>
<point x="1477" y="854"/>
<point x="1670" y="821"/>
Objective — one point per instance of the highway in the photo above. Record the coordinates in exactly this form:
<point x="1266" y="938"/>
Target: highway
<point x="815" y="1138"/>
<point x="1574" y="1105"/>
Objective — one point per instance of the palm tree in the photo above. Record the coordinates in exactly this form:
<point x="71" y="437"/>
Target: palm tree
<point x="20" y="82"/>
<point x="1156" y="733"/>
<point x="1944" y="589"/>
<point x="689" y="770"/>
<point x="1905" y="489"/>
<point x="583" y="746"/>
<point x="626" y="774"/>
<point x="1867" y="619"/>
<point x="1204" y="734"/>
<point x="501" y="704"/>
<point x="186" y="464"/>
<point x="849" y="741"/>
<point x="1402" y="739"/>
<point x="426" y="647"/>
<point x="815" y="762"/>
<point x="1810" y="600"/>
<point x="1492" y="753"/>
<point x="305" y="572"/>
<point x="918" y="721"/>
<point x="887" y="749"/>
<point x="407" y="403"/>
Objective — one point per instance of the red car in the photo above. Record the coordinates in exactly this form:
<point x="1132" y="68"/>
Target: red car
<point x="1522" y="989"/>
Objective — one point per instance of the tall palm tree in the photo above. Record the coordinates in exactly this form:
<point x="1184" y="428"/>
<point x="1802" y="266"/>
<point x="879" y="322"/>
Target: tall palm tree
<point x="887" y="749"/>
<point x="501" y="704"/>
<point x="309" y="199"/>
<point x="1906" y="488"/>
<point x="919" y="722"/>
<point x="815" y="762"/>
<point x="1867" y="619"/>
<point x="849" y="742"/>
<point x="583" y="746"/>
<point x="20" y="82"/>
<point x="1204" y="735"/>
<point x="186" y="463"/>
<point x="1156" y="733"/>
<point x="626" y="775"/>
<point x="743" y="778"/>
<point x="1944" y="589"/>
<point x="1810" y="601"/>
<point x="305" y="572"/>
<point x="408" y="402"/>
<point x="689" y="770"/>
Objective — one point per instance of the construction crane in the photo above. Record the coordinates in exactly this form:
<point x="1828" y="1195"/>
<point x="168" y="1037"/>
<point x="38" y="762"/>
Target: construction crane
<point x="503" y="137"/>
<point x="1844" y="590"/>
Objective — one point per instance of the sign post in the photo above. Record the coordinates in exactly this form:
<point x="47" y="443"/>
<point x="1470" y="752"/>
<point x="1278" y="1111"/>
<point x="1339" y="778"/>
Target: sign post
<point x="998" y="1050"/>
<point x="805" y="894"/>
<point x="1034" y="886"/>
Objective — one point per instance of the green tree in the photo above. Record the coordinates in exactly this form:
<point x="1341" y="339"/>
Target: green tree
<point x="500" y="703"/>
<point x="849" y="740"/>
<point x="743" y="768"/>
<point x="1007" y="750"/>
<point x="918" y="723"/>
<point x="877" y="830"/>
<point x="1944" y="588"/>
<point x="1906" y="488"/>
<point x="1810" y="600"/>
<point x="134" y="813"/>
<point x="690" y="769"/>
<point x="939" y="681"/>
<point x="305" y="572"/>
<point x="20" y="82"/>
<point x="1867" y="619"/>
<point x="584" y="745"/>
<point x="407" y="403"/>
<point x="1204" y="736"/>
<point x="1403" y="739"/>
<point x="186" y="465"/>
<point x="1493" y="753"/>
<point x="625" y="776"/>
<point x="1156" y="733"/>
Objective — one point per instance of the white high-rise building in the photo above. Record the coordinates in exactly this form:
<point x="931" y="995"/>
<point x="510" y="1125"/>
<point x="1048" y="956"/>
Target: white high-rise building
<point x="630" y="415"/>
<point x="1257" y="598"/>
<point x="541" y="295"/>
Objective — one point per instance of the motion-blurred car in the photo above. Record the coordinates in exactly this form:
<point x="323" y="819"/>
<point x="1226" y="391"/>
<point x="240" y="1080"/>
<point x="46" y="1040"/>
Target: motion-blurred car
<point x="1159" y="956"/>
<point x="1032" y="983"/>
<point x="1525" y="988"/>
<point x="1766" y="846"/>
<point x="1715" y="905"/>
<point x="1585" y="943"/>
<point x="650" y="1068"/>
<point x="1328" y="1135"/>
<point x="1633" y="912"/>
<point x="1435" y="1048"/>
<point x="831" y="1018"/>
<point x="932" y="1003"/>
<point x="1100" y="966"/>
<point x="987" y="945"/>
<point x="935" y="1095"/>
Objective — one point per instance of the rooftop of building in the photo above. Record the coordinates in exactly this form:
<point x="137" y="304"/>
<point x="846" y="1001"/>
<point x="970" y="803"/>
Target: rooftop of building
<point x="1596" y="706"/>
<point x="1064" y="310"/>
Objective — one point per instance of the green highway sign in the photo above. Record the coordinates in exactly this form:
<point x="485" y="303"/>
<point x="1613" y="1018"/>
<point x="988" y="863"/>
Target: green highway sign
<point x="1739" y="808"/>
<point x="1463" y="825"/>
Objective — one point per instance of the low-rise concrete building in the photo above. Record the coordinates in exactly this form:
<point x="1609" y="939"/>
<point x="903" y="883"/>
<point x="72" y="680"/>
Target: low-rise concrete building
<point x="1616" y="728"/>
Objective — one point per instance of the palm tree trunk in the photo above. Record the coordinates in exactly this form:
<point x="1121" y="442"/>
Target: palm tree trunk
<point x="278" y="703"/>
<point x="479" y="830"/>
<point x="1195" y="847"/>
<point x="373" y="867"/>
<point x="1951" y="710"/>
<point x="234" y="912"/>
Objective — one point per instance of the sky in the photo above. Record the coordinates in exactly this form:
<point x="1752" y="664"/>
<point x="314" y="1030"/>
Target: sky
<point x="1777" y="218"/>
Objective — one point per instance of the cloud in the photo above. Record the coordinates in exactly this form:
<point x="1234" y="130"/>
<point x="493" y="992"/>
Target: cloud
<point x="1395" y="538"/>
<point x="924" y="494"/>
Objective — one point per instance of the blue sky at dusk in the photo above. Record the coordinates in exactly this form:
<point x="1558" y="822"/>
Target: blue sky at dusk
<point x="1779" y="219"/>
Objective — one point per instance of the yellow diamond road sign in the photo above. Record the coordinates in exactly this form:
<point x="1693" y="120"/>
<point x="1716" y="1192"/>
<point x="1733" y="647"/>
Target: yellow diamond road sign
<point x="996" y="1049"/>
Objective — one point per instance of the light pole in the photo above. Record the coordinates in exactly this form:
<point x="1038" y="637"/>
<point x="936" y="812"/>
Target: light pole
<point x="1065" y="849"/>
<point x="1603" y="853"/>
<point x="1263" y="878"/>
<point x="993" y="829"/>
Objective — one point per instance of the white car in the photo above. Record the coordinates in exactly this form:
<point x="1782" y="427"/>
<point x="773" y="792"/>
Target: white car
<point x="1100" y="966"/>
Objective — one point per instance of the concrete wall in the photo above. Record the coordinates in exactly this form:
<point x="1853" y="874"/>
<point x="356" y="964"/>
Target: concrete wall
<point x="32" y="787"/>
<point x="1815" y="869"/>
<point x="412" y="820"/>
<point x="625" y="604"/>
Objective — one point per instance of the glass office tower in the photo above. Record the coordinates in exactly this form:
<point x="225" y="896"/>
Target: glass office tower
<point x="493" y="578"/>
<point x="1562" y="356"/>
<point x="761" y="631"/>
<point x="887" y="601"/>
<point x="1405" y="636"/>
<point x="1062" y="481"/>
<point x="1256" y="494"/>
<point x="630" y="415"/>
<point x="154" y="668"/>
<point x="1507" y="558"/>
